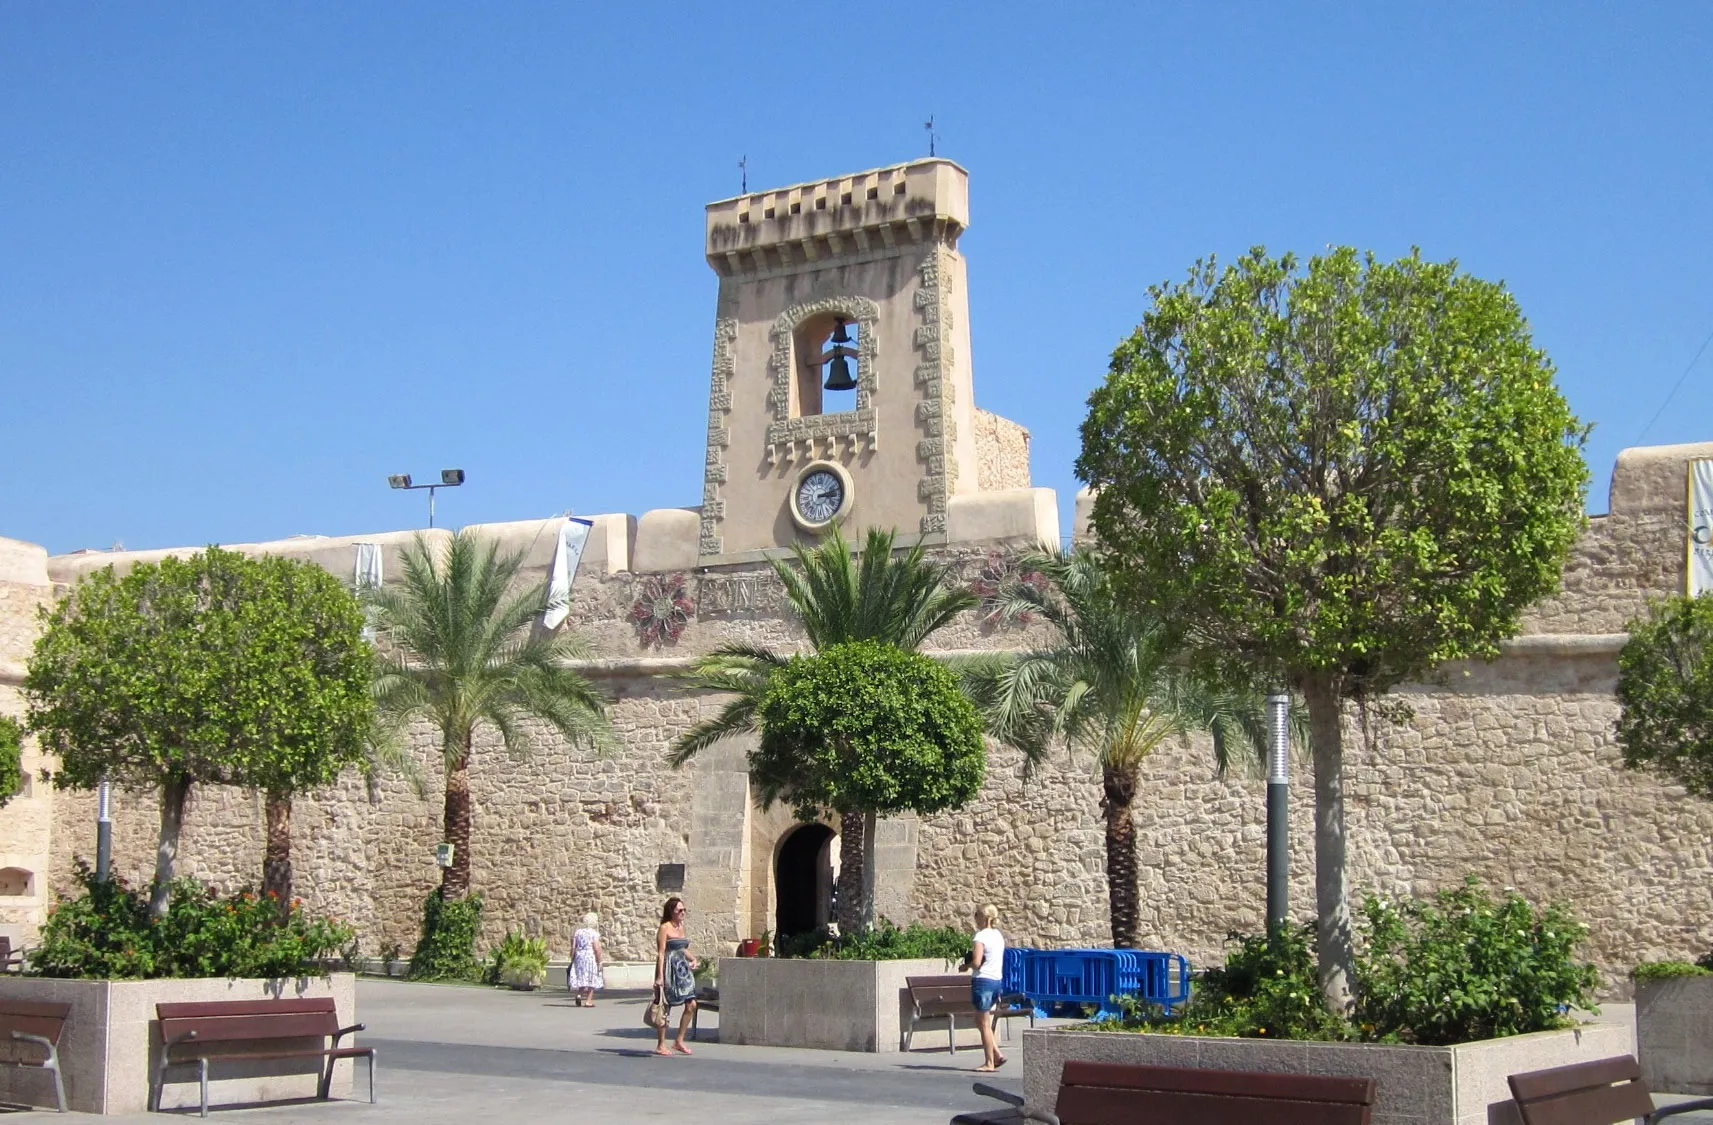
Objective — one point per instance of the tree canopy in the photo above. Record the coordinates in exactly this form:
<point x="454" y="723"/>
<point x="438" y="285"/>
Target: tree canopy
<point x="11" y="758"/>
<point x="867" y="727"/>
<point x="1335" y="477"/>
<point x="1665" y="692"/>
<point x="216" y="668"/>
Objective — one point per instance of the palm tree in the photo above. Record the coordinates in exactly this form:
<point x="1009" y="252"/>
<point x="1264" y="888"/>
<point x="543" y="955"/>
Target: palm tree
<point x="462" y="650"/>
<point x="1115" y="685"/>
<point x="898" y="601"/>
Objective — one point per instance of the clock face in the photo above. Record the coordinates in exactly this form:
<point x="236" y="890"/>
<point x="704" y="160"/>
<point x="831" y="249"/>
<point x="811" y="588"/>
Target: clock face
<point x="820" y="496"/>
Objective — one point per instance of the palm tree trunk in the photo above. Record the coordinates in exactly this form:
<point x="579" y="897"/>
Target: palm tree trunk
<point x="276" y="858"/>
<point x="1118" y="785"/>
<point x="853" y="875"/>
<point x="1331" y="899"/>
<point x="455" y="880"/>
<point x="175" y="794"/>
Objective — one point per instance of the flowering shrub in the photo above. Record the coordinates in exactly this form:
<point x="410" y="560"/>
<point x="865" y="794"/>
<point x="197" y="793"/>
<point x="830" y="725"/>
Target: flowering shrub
<point x="1457" y="968"/>
<point x="1464" y="966"/>
<point x="885" y="941"/>
<point x="105" y="933"/>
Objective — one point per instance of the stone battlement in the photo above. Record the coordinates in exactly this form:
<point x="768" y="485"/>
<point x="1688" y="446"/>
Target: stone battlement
<point x="874" y="211"/>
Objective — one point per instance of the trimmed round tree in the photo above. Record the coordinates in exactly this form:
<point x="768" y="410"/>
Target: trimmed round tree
<point x="11" y="758"/>
<point x="867" y="728"/>
<point x="1337" y="478"/>
<point x="216" y="668"/>
<point x="1665" y="691"/>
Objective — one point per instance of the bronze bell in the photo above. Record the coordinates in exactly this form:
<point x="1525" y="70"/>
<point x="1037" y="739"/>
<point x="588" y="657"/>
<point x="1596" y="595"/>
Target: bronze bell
<point x="839" y="375"/>
<point x="839" y="370"/>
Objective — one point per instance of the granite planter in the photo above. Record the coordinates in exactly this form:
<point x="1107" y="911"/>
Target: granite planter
<point x="1674" y="1034"/>
<point x="830" y="1005"/>
<point x="111" y="1044"/>
<point x="1462" y="1085"/>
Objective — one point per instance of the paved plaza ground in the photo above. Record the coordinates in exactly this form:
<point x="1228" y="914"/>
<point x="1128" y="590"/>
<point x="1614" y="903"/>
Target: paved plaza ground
<point x="454" y="1055"/>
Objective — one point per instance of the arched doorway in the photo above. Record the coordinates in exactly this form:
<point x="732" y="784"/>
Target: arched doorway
<point x="803" y="880"/>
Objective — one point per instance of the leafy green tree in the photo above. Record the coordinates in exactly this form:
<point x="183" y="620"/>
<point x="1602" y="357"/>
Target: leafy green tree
<point x="217" y="668"/>
<point x="1665" y="691"/>
<point x="1113" y="684"/>
<point x="461" y="651"/>
<point x="1336" y="478"/>
<point x="867" y="729"/>
<point x="898" y="601"/>
<point x="11" y="758"/>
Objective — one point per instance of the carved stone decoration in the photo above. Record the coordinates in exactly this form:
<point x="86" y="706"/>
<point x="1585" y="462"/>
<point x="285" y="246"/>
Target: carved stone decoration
<point x="787" y="436"/>
<point x="933" y="413"/>
<point x="996" y="574"/>
<point x="719" y="435"/>
<point x="663" y="609"/>
<point x="721" y="595"/>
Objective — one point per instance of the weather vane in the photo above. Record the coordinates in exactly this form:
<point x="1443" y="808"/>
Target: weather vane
<point x="743" y="170"/>
<point x="929" y="125"/>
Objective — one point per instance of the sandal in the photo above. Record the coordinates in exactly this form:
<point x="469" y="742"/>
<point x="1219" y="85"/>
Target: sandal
<point x="682" y="1049"/>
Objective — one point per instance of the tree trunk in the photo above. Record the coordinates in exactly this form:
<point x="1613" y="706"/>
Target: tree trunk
<point x="869" y="869"/>
<point x="1118" y="796"/>
<point x="1331" y="899"/>
<point x="175" y="794"/>
<point x="455" y="880"/>
<point x="276" y="858"/>
<point x="853" y="874"/>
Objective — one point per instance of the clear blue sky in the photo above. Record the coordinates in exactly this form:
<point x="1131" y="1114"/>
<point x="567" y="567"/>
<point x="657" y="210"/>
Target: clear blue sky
<point x="254" y="257"/>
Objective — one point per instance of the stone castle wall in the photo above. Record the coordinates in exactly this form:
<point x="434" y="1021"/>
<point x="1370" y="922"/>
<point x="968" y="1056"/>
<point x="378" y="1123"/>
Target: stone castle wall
<point x="1505" y="769"/>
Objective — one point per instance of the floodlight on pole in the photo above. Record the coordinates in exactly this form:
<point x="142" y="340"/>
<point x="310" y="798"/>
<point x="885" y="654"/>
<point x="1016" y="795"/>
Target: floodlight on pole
<point x="449" y="478"/>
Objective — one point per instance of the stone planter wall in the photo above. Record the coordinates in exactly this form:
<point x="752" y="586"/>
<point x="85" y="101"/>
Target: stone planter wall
<point x="1674" y="1034"/>
<point x="831" y="1005"/>
<point x="111" y="1044"/>
<point x="1463" y="1085"/>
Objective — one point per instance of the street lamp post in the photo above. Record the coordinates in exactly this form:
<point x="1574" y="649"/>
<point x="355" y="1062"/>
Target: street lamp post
<point x="1278" y="810"/>
<point x="449" y="478"/>
<point x="103" y="831"/>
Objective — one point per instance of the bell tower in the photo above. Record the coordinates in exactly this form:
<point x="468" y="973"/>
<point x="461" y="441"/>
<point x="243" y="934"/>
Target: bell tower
<point x="841" y="384"/>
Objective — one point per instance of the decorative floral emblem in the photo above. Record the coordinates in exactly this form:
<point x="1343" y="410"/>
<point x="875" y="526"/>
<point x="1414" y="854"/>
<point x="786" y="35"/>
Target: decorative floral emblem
<point x="998" y="572"/>
<point x="663" y="610"/>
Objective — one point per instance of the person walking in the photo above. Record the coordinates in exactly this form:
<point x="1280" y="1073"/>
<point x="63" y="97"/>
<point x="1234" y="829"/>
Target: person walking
<point x="986" y="959"/>
<point x="674" y="975"/>
<point x="588" y="958"/>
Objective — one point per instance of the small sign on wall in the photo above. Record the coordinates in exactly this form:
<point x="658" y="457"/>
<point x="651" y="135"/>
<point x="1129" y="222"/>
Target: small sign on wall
<point x="669" y="877"/>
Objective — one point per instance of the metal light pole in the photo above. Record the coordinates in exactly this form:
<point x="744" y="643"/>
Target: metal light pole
<point x="1278" y="809"/>
<point x="104" y="831"/>
<point x="449" y="478"/>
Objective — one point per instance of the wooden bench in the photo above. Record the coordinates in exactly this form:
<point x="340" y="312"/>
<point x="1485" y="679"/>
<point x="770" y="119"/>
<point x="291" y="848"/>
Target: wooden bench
<point x="11" y="960"/>
<point x="30" y="1027"/>
<point x="253" y="1031"/>
<point x="1092" y="1093"/>
<point x="948" y="998"/>
<point x="1602" y="1092"/>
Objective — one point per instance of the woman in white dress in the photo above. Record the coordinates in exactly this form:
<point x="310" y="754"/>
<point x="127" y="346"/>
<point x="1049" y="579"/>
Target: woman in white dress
<point x="587" y="959"/>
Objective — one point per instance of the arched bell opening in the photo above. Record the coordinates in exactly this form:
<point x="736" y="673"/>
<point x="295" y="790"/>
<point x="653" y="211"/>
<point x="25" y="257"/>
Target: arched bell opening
<point x="828" y="366"/>
<point x="803" y="880"/>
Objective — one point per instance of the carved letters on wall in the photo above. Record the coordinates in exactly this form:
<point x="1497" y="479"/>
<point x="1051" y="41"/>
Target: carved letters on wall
<point x="719" y="435"/>
<point x="720" y="594"/>
<point x="933" y="413"/>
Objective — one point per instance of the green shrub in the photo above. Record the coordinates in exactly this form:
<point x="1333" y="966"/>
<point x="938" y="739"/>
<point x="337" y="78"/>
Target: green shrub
<point x="1267" y="989"/>
<point x="105" y="933"/>
<point x="11" y="758"/>
<point x="884" y="941"/>
<point x="1464" y="967"/>
<point x="1666" y="970"/>
<point x="447" y="949"/>
<point x="517" y="960"/>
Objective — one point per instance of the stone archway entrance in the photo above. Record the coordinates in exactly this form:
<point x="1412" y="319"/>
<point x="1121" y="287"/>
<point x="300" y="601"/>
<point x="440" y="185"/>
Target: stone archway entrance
<point x="803" y="880"/>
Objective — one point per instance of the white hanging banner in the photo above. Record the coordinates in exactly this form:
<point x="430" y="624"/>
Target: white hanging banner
<point x="567" y="553"/>
<point x="368" y="576"/>
<point x="1701" y="527"/>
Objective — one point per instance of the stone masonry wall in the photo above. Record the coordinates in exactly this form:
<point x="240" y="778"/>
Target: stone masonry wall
<point x="1507" y="770"/>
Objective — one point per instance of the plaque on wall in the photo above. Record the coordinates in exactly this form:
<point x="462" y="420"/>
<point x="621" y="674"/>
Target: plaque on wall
<point x="669" y="877"/>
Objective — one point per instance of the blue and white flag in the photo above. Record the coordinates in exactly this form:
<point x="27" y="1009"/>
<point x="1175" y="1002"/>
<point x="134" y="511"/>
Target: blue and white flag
<point x="573" y="535"/>
<point x="1700" y="527"/>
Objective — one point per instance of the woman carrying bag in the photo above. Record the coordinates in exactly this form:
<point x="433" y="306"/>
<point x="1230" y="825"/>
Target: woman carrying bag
<point x="674" y="979"/>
